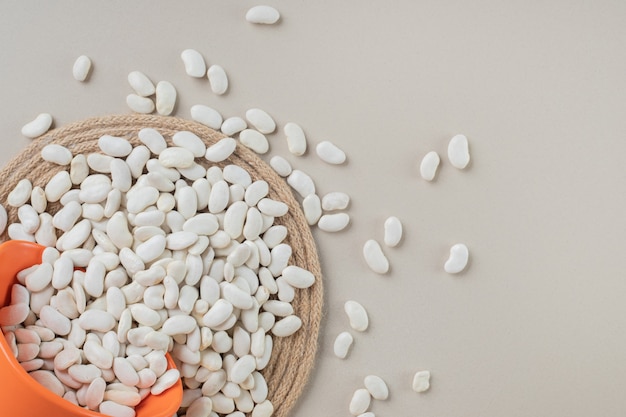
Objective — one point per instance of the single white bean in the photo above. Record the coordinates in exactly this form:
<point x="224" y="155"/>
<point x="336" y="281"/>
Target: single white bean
<point x="393" y="231"/>
<point x="81" y="68"/>
<point x="56" y="154"/>
<point x="360" y="402"/>
<point x="296" y="140"/>
<point x="165" y="98"/>
<point x="191" y="142"/>
<point x="333" y="222"/>
<point x="217" y="79"/>
<point x="357" y="315"/>
<point x="287" y="326"/>
<point x="335" y="200"/>
<point x="312" y="207"/>
<point x="301" y="182"/>
<point x="37" y="127"/>
<point x="233" y="125"/>
<point x="429" y="166"/>
<point x="342" y="345"/>
<point x="254" y="140"/>
<point x="457" y="261"/>
<point x="141" y="83"/>
<point x="421" y="381"/>
<point x="330" y="153"/>
<point x="207" y="116"/>
<point x="262" y="15"/>
<point x="458" y="151"/>
<point x="194" y="63"/>
<point x="377" y="387"/>
<point x="281" y="166"/>
<point x="375" y="258"/>
<point x="140" y="104"/>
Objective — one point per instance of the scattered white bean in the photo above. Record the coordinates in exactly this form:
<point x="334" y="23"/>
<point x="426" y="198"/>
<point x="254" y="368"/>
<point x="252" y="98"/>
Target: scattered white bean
<point x="335" y="200"/>
<point x="357" y="315"/>
<point x="375" y="258"/>
<point x="458" y="151"/>
<point x="37" y="127"/>
<point x="330" y="153"/>
<point x="218" y="79"/>
<point x="233" y="125"/>
<point x="262" y="15"/>
<point x="421" y="381"/>
<point x="429" y="166"/>
<point x="165" y="98"/>
<point x="261" y="121"/>
<point x="342" y="345"/>
<point x="296" y="140"/>
<point x="194" y="63"/>
<point x="457" y="261"/>
<point x="360" y="402"/>
<point x="141" y="84"/>
<point x="393" y="231"/>
<point x="281" y="166"/>
<point x="333" y="222"/>
<point x="81" y="68"/>
<point x="254" y="140"/>
<point x="140" y="104"/>
<point x="301" y="182"/>
<point x="207" y="116"/>
<point x="377" y="387"/>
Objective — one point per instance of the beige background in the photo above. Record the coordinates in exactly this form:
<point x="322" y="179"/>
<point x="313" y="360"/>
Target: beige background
<point x="536" y="325"/>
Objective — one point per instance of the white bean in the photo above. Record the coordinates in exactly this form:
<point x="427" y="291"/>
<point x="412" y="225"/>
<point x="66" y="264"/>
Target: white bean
<point x="375" y="258"/>
<point x="458" y="151"/>
<point x="342" y="344"/>
<point x="330" y="153"/>
<point x="333" y="222"/>
<point x="360" y="402"/>
<point x="287" y="326"/>
<point x="218" y="79"/>
<point x="357" y="315"/>
<point x="377" y="387"/>
<point x="429" y="166"/>
<point x="37" y="127"/>
<point x="457" y="261"/>
<point x="262" y="15"/>
<point x="191" y="142"/>
<point x="301" y="182"/>
<point x="335" y="200"/>
<point x="233" y="125"/>
<point x="81" y="68"/>
<point x="421" y="381"/>
<point x="393" y="231"/>
<point x="194" y="63"/>
<point x="56" y="154"/>
<point x="165" y="98"/>
<point x="141" y="84"/>
<point x="140" y="104"/>
<point x="207" y="116"/>
<point x="261" y="121"/>
<point x="254" y="140"/>
<point x="296" y="140"/>
<point x="281" y="166"/>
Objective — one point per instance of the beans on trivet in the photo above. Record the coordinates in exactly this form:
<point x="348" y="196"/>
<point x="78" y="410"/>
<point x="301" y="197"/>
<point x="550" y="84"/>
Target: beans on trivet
<point x="169" y="265"/>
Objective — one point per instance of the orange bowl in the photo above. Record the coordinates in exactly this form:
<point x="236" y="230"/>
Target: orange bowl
<point x="21" y="395"/>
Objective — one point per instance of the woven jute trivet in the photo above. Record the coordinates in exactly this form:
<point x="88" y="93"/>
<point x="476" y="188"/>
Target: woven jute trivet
<point x="293" y="357"/>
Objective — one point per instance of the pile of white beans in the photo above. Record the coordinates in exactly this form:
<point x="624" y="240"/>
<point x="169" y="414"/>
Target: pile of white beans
<point x="327" y="212"/>
<point x="177" y="258"/>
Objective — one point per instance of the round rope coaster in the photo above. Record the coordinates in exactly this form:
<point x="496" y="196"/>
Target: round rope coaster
<point x="293" y="357"/>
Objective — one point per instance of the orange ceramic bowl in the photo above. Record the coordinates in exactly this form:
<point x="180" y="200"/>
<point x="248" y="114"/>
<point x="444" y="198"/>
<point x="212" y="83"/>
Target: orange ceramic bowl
<point x="21" y="395"/>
